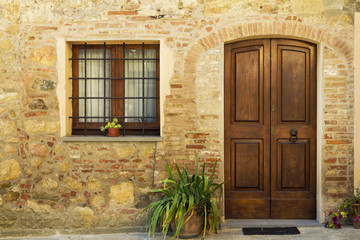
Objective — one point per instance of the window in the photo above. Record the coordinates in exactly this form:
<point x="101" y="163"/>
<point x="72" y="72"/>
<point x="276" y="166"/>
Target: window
<point x="115" y="81"/>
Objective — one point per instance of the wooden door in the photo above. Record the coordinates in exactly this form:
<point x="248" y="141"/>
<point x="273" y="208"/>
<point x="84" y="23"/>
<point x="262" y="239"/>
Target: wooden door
<point x="270" y="89"/>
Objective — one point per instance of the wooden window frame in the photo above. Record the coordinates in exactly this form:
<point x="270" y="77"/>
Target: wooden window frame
<point x="117" y="84"/>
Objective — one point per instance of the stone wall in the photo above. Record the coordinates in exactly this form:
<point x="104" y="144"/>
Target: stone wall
<point x="46" y="183"/>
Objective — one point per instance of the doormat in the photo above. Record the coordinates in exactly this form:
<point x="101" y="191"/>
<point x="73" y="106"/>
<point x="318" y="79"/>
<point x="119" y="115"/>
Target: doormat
<point x="271" y="231"/>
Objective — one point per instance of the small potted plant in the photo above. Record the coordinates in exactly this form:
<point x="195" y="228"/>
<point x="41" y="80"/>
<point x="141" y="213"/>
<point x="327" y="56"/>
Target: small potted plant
<point x="349" y="208"/>
<point x="187" y="205"/>
<point x="113" y="128"/>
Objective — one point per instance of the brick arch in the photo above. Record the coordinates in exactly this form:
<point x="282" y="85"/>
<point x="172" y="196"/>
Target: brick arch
<point x="293" y="29"/>
<point x="290" y="29"/>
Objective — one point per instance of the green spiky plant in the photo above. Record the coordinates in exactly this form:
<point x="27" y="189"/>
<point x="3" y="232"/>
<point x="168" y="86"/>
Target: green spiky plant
<point x="181" y="198"/>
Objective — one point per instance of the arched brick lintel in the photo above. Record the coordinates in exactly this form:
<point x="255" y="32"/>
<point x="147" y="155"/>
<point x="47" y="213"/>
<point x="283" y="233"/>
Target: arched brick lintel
<point x="291" y="29"/>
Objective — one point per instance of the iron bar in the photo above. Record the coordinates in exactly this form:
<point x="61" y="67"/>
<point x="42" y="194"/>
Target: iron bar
<point x="143" y="88"/>
<point x="85" y="89"/>
<point x="113" y="97"/>
<point x="104" y="84"/>
<point x="114" y="78"/>
<point x="121" y="59"/>
<point x="123" y="82"/>
<point x="111" y="117"/>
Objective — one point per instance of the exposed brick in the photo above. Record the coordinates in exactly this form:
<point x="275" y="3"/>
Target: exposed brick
<point x="176" y="85"/>
<point x="197" y="135"/>
<point x="338" y="179"/>
<point x="330" y="160"/>
<point x="122" y="13"/>
<point x="338" y="141"/>
<point x="195" y="146"/>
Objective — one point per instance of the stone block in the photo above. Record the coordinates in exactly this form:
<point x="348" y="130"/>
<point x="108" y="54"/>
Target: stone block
<point x="97" y="201"/>
<point x="5" y="44"/>
<point x="147" y="152"/>
<point x="11" y="196"/>
<point x="38" y="104"/>
<point x="72" y="184"/>
<point x="36" y="162"/>
<point x="79" y="199"/>
<point x="64" y="166"/>
<point x="40" y="193"/>
<point x="38" y="149"/>
<point x="45" y="56"/>
<point x="43" y="85"/>
<point x="38" y="208"/>
<point x="9" y="170"/>
<point x="122" y="193"/>
<point x="9" y="96"/>
<point x="41" y="126"/>
<point x="48" y="183"/>
<point x="125" y="151"/>
<point x="8" y="148"/>
<point x="83" y="217"/>
<point x="7" y="128"/>
<point x="94" y="184"/>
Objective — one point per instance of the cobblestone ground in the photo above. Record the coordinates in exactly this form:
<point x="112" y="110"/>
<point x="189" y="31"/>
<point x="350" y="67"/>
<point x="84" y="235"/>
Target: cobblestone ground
<point x="316" y="233"/>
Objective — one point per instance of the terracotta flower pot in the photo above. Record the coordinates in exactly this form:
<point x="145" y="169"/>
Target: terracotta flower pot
<point x="355" y="219"/>
<point x="113" y="132"/>
<point x="192" y="228"/>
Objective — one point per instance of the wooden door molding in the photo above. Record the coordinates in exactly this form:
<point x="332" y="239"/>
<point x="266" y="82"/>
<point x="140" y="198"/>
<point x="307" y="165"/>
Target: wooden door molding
<point x="270" y="87"/>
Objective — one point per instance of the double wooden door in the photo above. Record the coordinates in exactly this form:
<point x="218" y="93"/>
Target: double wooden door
<point x="270" y="129"/>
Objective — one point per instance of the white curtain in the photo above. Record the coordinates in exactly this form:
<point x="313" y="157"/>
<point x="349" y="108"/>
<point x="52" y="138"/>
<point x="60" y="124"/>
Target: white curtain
<point x="94" y="87"/>
<point x="140" y="88"/>
<point x="133" y="87"/>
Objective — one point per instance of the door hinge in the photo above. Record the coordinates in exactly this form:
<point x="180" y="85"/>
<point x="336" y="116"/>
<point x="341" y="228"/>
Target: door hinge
<point x="273" y="107"/>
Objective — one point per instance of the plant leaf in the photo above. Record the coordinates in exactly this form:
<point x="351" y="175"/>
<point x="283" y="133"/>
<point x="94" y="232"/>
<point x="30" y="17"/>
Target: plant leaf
<point x="216" y="214"/>
<point x="169" y="170"/>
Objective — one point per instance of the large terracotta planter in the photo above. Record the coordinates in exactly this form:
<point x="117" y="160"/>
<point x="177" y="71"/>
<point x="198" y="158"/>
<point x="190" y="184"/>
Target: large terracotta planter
<point x="113" y="132"/>
<point x="356" y="210"/>
<point x="192" y="228"/>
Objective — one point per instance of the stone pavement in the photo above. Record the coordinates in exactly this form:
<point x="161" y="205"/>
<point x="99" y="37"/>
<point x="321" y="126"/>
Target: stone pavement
<point x="312" y="232"/>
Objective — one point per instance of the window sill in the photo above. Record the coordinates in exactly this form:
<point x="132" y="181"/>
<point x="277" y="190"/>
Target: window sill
<point x="112" y="139"/>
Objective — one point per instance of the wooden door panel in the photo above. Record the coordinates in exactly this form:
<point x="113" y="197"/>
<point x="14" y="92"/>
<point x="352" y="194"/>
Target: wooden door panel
<point x="248" y="84"/>
<point x="248" y="153"/>
<point x="251" y="208"/>
<point x="293" y="165"/>
<point x="294" y="84"/>
<point x="296" y="208"/>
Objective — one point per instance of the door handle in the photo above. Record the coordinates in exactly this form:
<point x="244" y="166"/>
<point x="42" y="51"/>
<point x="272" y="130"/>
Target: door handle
<point x="293" y="135"/>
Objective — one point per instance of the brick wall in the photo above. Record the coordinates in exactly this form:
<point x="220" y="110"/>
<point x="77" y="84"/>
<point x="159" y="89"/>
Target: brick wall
<point x="48" y="183"/>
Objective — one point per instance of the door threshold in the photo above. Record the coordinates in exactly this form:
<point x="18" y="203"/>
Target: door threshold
<point x="241" y="223"/>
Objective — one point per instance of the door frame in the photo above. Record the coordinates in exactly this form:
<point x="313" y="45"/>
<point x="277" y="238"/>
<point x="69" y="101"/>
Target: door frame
<point x="319" y="114"/>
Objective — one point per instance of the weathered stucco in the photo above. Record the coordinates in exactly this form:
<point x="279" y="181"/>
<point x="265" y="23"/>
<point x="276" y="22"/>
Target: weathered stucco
<point x="76" y="186"/>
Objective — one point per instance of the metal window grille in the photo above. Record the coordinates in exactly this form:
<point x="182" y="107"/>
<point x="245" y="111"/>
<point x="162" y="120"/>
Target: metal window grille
<point x="145" y="125"/>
